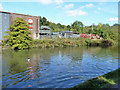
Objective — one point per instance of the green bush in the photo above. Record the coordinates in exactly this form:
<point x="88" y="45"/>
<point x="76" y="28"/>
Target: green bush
<point x="18" y="36"/>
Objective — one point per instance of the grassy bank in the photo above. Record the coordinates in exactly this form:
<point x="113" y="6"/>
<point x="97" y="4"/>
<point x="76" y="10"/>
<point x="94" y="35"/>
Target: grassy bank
<point x="70" y="42"/>
<point x="67" y="42"/>
<point x="109" y="80"/>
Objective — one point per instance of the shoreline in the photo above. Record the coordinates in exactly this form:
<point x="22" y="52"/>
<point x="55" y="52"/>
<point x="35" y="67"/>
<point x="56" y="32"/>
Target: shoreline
<point x="109" y="80"/>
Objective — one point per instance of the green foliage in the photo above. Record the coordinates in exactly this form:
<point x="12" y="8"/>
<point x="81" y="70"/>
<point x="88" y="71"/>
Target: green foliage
<point x="44" y="22"/>
<point x="19" y="35"/>
<point x="69" y="42"/>
<point x="78" y="26"/>
<point x="54" y="27"/>
<point x="104" y="30"/>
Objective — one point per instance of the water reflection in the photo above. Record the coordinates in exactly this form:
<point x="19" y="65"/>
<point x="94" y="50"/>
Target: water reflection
<point x="59" y="67"/>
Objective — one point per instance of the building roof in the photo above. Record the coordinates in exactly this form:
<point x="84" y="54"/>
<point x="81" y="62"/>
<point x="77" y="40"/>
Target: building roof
<point x="67" y="31"/>
<point x="55" y="33"/>
<point x="18" y="14"/>
<point x="45" y="27"/>
<point x="45" y="31"/>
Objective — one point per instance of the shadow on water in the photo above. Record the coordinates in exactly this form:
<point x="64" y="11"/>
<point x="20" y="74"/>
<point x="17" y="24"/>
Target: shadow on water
<point x="58" y="67"/>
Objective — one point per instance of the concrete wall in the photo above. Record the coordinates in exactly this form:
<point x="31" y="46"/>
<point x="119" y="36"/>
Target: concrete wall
<point x="4" y="24"/>
<point x="0" y="26"/>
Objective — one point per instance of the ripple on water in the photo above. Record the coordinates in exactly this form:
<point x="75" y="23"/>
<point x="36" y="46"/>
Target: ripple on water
<point x="57" y="68"/>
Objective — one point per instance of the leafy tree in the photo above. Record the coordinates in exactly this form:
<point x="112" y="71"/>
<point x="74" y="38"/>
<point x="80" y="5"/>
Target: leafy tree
<point x="59" y="25"/>
<point x="19" y="34"/>
<point x="44" y="22"/>
<point x="98" y="29"/>
<point x="78" y="26"/>
<point x="68" y="27"/>
<point x="53" y="26"/>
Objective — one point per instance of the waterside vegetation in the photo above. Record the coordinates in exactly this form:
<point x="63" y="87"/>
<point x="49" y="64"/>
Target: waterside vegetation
<point x="65" y="42"/>
<point x="70" y="42"/>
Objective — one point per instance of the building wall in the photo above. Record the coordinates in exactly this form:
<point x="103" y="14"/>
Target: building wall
<point x="35" y="25"/>
<point x="7" y="18"/>
<point x="0" y="26"/>
<point x="4" y="24"/>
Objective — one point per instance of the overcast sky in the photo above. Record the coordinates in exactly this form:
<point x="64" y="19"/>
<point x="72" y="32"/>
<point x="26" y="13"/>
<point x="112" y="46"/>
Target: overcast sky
<point x="67" y="12"/>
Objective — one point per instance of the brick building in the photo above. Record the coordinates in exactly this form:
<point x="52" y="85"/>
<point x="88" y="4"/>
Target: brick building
<point x="7" y="18"/>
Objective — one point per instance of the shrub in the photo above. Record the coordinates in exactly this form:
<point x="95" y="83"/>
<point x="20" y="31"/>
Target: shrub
<point x="18" y="36"/>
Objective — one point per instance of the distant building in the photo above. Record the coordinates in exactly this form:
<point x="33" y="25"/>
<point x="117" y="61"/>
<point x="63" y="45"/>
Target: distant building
<point x="45" y="31"/>
<point x="55" y="34"/>
<point x="45" y="28"/>
<point x="7" y="18"/>
<point x="66" y="34"/>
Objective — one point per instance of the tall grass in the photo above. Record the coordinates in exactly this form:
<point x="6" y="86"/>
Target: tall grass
<point x="69" y="42"/>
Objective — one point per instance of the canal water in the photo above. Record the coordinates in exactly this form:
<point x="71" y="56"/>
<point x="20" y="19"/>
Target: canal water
<point x="56" y="68"/>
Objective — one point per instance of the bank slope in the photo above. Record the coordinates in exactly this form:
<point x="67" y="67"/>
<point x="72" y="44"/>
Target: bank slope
<point x="109" y="80"/>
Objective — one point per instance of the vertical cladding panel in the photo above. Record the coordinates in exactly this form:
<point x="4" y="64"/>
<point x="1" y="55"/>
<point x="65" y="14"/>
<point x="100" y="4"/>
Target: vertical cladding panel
<point x="34" y="27"/>
<point x="0" y="26"/>
<point x="5" y="23"/>
<point x="38" y="27"/>
<point x="33" y="31"/>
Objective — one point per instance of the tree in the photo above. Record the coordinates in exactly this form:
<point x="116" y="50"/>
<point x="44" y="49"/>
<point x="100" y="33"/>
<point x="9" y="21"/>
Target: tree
<point x="78" y="26"/>
<point x="18" y="36"/>
<point x="59" y="25"/>
<point x="68" y="27"/>
<point x="99" y="29"/>
<point x="44" y="22"/>
<point x="53" y="26"/>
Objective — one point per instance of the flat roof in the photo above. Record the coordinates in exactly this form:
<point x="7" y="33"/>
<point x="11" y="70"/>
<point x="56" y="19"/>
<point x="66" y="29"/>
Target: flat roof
<point x="18" y="14"/>
<point x="44" y="27"/>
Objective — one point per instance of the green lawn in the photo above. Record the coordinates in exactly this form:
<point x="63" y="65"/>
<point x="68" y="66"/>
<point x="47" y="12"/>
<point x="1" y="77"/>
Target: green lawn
<point x="109" y="80"/>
